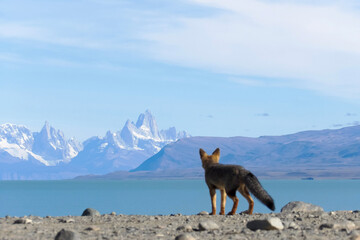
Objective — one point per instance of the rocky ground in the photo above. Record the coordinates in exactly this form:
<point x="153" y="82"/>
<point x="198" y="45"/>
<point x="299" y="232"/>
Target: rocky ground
<point x="297" y="220"/>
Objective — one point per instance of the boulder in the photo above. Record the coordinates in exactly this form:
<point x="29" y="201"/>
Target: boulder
<point x="90" y="212"/>
<point x="299" y="206"/>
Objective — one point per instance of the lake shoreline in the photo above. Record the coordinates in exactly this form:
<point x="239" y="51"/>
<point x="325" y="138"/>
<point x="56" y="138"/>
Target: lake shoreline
<point x="284" y="173"/>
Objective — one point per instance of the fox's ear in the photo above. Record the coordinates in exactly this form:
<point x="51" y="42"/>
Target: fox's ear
<point x="202" y="153"/>
<point x="216" y="152"/>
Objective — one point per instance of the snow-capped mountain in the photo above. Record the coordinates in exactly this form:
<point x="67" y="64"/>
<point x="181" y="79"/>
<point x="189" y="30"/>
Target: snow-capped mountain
<point x="47" y="154"/>
<point x="52" y="145"/>
<point x="47" y="147"/>
<point x="127" y="148"/>
<point x="145" y="135"/>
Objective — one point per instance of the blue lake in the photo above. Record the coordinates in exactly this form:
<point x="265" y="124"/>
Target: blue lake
<point x="153" y="197"/>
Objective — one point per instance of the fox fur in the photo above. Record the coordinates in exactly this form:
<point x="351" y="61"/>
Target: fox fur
<point x="229" y="179"/>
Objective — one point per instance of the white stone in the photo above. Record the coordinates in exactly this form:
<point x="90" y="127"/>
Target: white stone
<point x="208" y="226"/>
<point x="273" y="223"/>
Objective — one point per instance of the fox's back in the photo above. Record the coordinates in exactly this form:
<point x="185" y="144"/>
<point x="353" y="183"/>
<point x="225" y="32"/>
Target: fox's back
<point x="225" y="176"/>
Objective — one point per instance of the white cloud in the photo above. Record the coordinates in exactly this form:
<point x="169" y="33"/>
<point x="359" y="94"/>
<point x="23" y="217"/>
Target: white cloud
<point x="315" y="47"/>
<point x="271" y="43"/>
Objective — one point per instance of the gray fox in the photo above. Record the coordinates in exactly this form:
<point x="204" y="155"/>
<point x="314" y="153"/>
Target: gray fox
<point x="229" y="179"/>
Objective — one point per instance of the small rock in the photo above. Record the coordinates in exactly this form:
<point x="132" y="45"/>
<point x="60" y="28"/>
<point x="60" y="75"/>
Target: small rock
<point x="70" y="220"/>
<point x="293" y="225"/>
<point x="93" y="228"/>
<point x="326" y="225"/>
<point x="23" y="221"/>
<point x="273" y="223"/>
<point x="203" y="213"/>
<point x="208" y="226"/>
<point x="186" y="228"/>
<point x="185" y="236"/>
<point x="131" y="229"/>
<point x="346" y="225"/>
<point x="299" y="206"/>
<point x="67" y="235"/>
<point x="90" y="212"/>
<point x="113" y="213"/>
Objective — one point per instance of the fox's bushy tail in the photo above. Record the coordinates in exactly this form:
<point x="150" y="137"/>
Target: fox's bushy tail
<point x="253" y="184"/>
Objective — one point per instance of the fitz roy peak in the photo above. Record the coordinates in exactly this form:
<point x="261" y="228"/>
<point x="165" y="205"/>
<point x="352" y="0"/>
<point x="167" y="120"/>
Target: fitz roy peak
<point x="145" y="135"/>
<point x="125" y="149"/>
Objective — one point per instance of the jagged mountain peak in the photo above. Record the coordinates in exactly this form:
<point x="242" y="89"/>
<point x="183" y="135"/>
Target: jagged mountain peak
<point x="146" y="123"/>
<point x="146" y="129"/>
<point x="145" y="119"/>
<point x="129" y="124"/>
<point x="51" y="135"/>
<point x="53" y="146"/>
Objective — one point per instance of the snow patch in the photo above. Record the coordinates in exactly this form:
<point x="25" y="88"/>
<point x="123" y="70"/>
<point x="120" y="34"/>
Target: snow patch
<point x="104" y="145"/>
<point x="14" y="149"/>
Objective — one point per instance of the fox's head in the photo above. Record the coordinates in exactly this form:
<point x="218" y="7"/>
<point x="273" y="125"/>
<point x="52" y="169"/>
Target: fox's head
<point x="209" y="159"/>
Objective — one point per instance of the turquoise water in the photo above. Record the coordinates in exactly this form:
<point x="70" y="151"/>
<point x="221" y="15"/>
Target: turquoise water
<point x="153" y="197"/>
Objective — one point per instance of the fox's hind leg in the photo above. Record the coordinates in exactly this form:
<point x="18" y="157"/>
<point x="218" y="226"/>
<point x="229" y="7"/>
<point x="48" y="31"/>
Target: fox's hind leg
<point x="213" y="201"/>
<point x="232" y="195"/>
<point x="223" y="201"/>
<point x="245" y="192"/>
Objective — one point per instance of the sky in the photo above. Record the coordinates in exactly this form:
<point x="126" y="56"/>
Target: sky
<point x="212" y="68"/>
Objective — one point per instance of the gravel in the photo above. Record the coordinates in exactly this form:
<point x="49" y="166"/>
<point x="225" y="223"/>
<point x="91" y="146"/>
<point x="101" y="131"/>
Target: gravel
<point x="296" y="225"/>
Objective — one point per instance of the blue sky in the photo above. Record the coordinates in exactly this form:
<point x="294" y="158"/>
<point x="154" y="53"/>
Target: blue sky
<point x="212" y="68"/>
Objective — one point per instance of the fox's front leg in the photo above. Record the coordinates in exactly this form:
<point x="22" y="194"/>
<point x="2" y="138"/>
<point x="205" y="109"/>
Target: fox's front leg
<point x="213" y="201"/>
<point x="223" y="201"/>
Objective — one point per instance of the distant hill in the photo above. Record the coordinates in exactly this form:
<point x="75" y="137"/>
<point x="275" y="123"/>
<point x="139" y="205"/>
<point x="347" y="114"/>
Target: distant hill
<point x="323" y="153"/>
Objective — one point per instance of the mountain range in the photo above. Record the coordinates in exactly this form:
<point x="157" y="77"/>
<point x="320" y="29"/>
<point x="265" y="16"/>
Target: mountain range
<point x="49" y="155"/>
<point x="47" y="147"/>
<point x="141" y="150"/>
